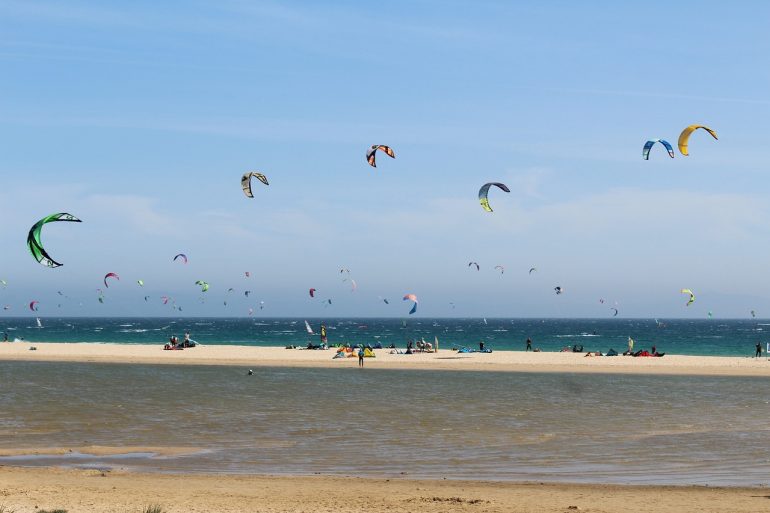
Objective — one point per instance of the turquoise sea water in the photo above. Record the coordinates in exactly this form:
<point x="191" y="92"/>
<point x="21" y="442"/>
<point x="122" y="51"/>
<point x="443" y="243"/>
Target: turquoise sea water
<point x="694" y="337"/>
<point x="407" y="424"/>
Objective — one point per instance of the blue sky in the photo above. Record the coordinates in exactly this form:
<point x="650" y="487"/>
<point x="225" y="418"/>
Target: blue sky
<point x="140" y="119"/>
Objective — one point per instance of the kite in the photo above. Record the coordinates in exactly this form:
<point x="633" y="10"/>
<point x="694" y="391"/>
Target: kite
<point x="558" y="290"/>
<point x="353" y="285"/>
<point x="203" y="284"/>
<point x="502" y="269"/>
<point x="312" y="292"/>
<point x="247" y="274"/>
<point x="33" y="238"/>
<point x="7" y="307"/>
<point x="710" y="314"/>
<point x="5" y="283"/>
<point x="484" y="192"/>
<point x="684" y="137"/>
<point x="532" y="269"/>
<point x="164" y="299"/>
<point x="246" y="182"/>
<point x="182" y="256"/>
<point x="261" y="305"/>
<point x="140" y="283"/>
<point x="601" y="300"/>
<point x="753" y="314"/>
<point x="616" y="312"/>
<point x="474" y="263"/>
<point x="146" y="298"/>
<point x="246" y="293"/>
<point x="251" y="311"/>
<point x="413" y="298"/>
<point x="329" y="301"/>
<point x="33" y="305"/>
<point x="110" y="275"/>
<point x="649" y="144"/>
<point x="371" y="153"/>
<point x="692" y="296"/>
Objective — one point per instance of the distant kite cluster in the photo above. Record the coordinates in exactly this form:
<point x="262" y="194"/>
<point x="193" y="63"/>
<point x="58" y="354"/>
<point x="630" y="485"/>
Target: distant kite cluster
<point x="40" y="254"/>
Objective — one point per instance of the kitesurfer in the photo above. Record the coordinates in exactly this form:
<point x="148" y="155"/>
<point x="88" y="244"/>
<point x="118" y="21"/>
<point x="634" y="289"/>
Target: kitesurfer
<point x="529" y="344"/>
<point x="759" y="350"/>
<point x="630" y="346"/>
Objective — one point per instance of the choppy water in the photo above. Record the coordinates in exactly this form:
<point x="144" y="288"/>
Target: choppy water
<point x="696" y="337"/>
<point x="435" y="424"/>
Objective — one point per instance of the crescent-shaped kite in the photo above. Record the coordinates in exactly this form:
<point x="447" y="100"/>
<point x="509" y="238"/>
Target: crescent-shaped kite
<point x="110" y="275"/>
<point x="413" y="298"/>
<point x="33" y="238"/>
<point x="246" y="182"/>
<point x="649" y="144"/>
<point x="371" y="153"/>
<point x="182" y="256"/>
<point x="484" y="192"/>
<point x="692" y="296"/>
<point x="684" y="137"/>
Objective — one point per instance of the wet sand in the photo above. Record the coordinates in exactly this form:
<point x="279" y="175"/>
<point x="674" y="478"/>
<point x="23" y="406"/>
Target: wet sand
<point x="86" y="491"/>
<point x="513" y="361"/>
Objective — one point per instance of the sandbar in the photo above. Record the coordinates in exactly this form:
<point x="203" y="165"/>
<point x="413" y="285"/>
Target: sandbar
<point x="444" y="359"/>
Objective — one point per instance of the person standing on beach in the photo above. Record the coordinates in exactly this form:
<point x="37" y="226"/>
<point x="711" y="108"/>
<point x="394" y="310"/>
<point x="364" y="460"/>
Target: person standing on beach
<point x="529" y="344"/>
<point x="360" y="356"/>
<point x="630" y="345"/>
<point x="5" y="336"/>
<point x="759" y="350"/>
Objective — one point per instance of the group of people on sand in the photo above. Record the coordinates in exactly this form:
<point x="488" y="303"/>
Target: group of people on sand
<point x="174" y="344"/>
<point x="578" y="348"/>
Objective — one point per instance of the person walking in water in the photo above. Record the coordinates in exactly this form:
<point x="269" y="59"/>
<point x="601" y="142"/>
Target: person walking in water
<point x="529" y="344"/>
<point x="759" y="350"/>
<point x="360" y="356"/>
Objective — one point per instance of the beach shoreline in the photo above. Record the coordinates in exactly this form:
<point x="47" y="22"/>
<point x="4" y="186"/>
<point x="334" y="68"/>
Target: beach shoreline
<point x="86" y="491"/>
<point x="498" y="361"/>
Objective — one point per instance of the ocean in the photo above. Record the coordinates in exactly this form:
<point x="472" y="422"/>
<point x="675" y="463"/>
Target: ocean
<point x="504" y="426"/>
<point x="673" y="336"/>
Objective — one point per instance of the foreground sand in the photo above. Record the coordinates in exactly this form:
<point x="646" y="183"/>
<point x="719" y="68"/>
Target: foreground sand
<point x="25" y="490"/>
<point x="518" y="361"/>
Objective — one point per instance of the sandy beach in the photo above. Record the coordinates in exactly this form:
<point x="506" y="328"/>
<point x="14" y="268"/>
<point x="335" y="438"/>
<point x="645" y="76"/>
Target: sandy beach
<point x="511" y="361"/>
<point x="85" y="491"/>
